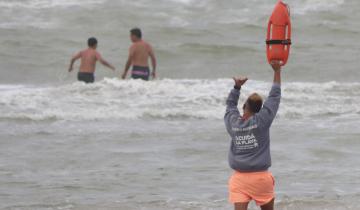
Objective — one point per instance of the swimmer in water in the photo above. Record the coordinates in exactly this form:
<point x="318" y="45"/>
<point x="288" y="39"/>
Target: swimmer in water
<point x="89" y="57"/>
<point x="139" y="54"/>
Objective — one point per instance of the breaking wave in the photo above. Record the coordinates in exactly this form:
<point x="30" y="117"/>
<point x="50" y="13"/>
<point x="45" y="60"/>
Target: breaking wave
<point x="199" y="99"/>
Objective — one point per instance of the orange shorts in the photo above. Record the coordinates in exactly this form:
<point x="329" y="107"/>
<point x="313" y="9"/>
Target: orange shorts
<point x="258" y="186"/>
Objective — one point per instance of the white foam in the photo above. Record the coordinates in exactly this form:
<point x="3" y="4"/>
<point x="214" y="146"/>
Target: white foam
<point x="41" y="4"/>
<point x="116" y="99"/>
<point x="178" y="22"/>
<point x="32" y="12"/>
<point x="187" y="2"/>
<point x="24" y="23"/>
<point x="303" y="7"/>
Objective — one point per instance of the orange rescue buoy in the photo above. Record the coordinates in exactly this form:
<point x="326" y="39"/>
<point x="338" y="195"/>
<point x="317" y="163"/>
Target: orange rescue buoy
<point x="278" y="39"/>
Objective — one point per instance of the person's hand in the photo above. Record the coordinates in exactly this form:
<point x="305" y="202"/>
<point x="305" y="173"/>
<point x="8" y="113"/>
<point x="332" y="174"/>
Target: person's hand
<point x="240" y="81"/>
<point x="123" y="76"/>
<point x="153" y="74"/>
<point x="276" y="65"/>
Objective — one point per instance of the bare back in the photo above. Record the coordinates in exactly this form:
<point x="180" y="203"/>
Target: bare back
<point x="88" y="60"/>
<point x="140" y="52"/>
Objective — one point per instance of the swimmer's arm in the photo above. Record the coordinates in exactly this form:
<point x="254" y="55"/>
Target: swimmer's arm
<point x="73" y="59"/>
<point x="128" y="64"/>
<point x="104" y="62"/>
<point x="153" y="62"/>
<point x="127" y="67"/>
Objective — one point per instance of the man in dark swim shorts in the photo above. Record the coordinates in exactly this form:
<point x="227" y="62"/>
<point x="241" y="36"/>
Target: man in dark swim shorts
<point x="139" y="54"/>
<point x="89" y="57"/>
<point x="86" y="77"/>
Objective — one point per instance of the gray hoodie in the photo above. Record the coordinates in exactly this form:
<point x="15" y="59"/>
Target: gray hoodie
<point x="250" y="145"/>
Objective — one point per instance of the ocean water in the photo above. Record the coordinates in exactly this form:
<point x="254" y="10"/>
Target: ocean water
<point x="162" y="144"/>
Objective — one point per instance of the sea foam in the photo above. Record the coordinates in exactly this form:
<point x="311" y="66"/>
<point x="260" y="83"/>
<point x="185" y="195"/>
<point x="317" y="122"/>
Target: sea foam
<point x="166" y="99"/>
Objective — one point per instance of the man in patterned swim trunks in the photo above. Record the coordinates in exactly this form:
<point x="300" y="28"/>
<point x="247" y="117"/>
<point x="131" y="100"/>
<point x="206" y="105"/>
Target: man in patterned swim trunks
<point x="139" y="54"/>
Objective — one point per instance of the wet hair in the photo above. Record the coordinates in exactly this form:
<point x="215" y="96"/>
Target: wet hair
<point x="254" y="103"/>
<point x="136" y="32"/>
<point x="92" y="42"/>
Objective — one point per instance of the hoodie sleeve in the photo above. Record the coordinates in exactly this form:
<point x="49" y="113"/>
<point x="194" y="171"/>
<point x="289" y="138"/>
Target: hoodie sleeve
<point x="268" y="112"/>
<point x="232" y="114"/>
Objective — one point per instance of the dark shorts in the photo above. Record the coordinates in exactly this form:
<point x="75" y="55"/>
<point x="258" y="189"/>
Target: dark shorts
<point x="140" y="72"/>
<point x="86" y="77"/>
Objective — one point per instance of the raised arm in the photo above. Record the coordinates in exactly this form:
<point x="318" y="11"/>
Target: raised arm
<point x="104" y="62"/>
<point x="153" y="62"/>
<point x="277" y="72"/>
<point x="128" y="63"/>
<point x="73" y="59"/>
<point x="271" y="105"/>
<point x="232" y="114"/>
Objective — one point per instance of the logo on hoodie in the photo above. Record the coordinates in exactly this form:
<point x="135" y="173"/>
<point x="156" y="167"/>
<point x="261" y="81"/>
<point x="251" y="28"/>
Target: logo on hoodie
<point x="246" y="142"/>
